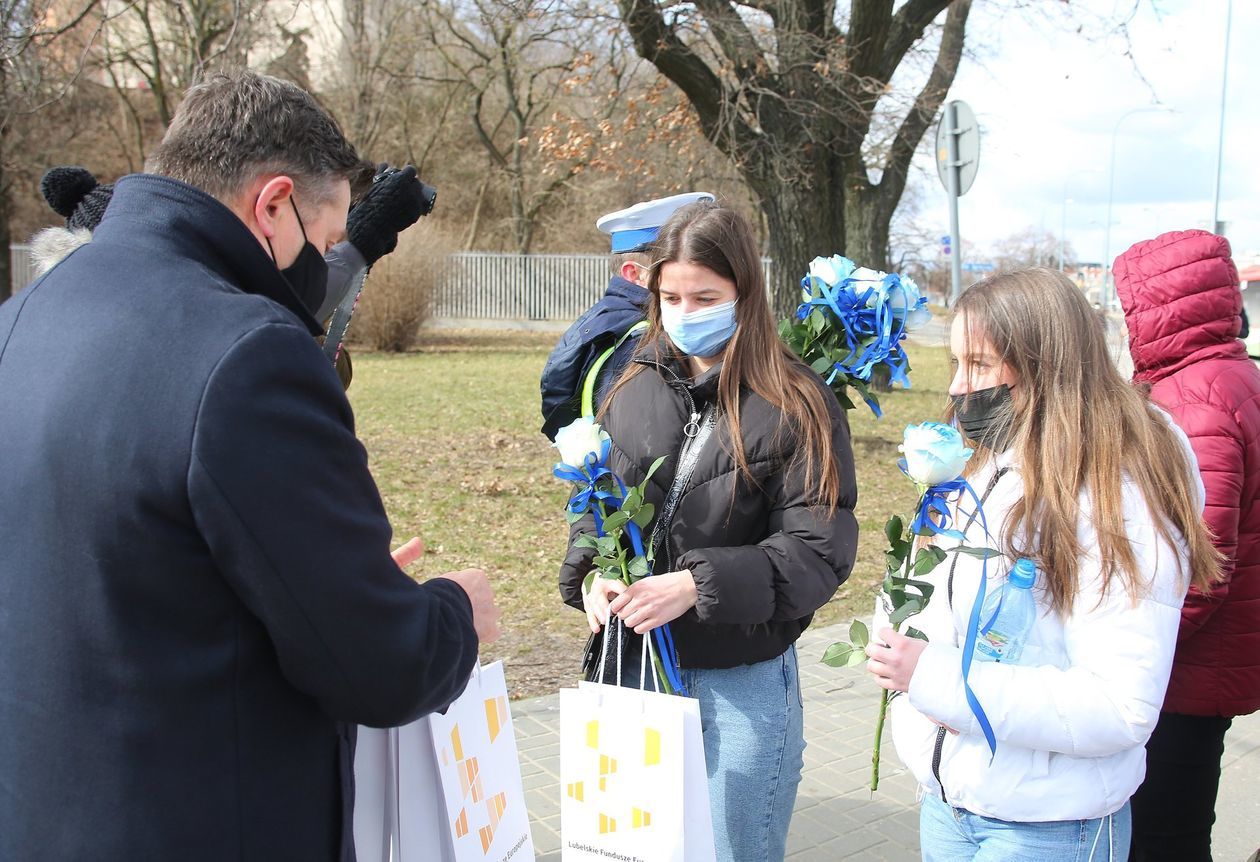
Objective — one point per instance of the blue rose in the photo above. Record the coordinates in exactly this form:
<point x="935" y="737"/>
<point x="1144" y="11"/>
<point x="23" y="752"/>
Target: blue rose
<point x="934" y="453"/>
<point x="900" y="293"/>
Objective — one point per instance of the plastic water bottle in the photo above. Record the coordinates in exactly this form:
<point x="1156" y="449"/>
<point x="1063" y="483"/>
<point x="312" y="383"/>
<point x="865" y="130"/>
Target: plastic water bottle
<point x="1016" y="610"/>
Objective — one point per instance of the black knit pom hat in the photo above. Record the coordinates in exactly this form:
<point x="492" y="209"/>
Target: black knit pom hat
<point x="74" y="194"/>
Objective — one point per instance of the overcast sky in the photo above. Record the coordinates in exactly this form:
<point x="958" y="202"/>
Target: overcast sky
<point x="1048" y="101"/>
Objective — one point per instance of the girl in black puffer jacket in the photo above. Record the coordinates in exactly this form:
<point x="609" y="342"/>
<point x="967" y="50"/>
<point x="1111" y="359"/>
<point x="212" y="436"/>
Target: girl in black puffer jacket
<point x="762" y="532"/>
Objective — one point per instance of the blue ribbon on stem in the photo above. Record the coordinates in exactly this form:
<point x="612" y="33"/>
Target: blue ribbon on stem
<point x="933" y="502"/>
<point x="586" y="477"/>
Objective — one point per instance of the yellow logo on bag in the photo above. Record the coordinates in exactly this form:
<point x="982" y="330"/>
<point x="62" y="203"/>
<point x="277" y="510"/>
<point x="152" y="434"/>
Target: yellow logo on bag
<point x="608" y="767"/>
<point x="469" y="774"/>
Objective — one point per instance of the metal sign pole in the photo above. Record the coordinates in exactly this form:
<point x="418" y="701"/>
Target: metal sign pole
<point x="951" y="141"/>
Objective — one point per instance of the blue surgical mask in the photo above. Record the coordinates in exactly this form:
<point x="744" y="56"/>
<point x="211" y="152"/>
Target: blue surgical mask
<point x="700" y="333"/>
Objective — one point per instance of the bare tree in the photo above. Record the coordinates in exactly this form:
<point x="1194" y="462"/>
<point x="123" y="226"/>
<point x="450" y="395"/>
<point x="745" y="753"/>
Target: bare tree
<point x="539" y="97"/>
<point x="1030" y="247"/>
<point x="790" y="91"/>
<point x="151" y="51"/>
<point x="377" y="42"/>
<point x="34" y="73"/>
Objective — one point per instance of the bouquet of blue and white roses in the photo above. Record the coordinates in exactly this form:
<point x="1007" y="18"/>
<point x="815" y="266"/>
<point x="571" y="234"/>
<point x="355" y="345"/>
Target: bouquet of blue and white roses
<point x="621" y="516"/>
<point x="852" y="321"/>
<point x="934" y="460"/>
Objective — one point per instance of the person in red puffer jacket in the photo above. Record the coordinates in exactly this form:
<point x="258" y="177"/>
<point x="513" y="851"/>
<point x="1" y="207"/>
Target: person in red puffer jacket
<point x="1182" y="303"/>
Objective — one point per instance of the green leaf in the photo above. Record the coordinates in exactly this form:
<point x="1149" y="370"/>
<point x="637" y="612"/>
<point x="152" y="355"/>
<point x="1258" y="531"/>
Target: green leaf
<point x="606" y="563"/>
<point x="893" y="529"/>
<point x="843" y="655"/>
<point x="587" y="581"/>
<point x="606" y="545"/>
<point x="639" y="568"/>
<point x="655" y="466"/>
<point x="978" y="553"/>
<point x="928" y="559"/>
<point x="821" y="364"/>
<point x="634" y="499"/>
<point x="572" y="517"/>
<point x="912" y="632"/>
<point x="923" y="587"/>
<point x="616" y="521"/>
<point x="859" y="635"/>
<point x="912" y="606"/>
<point x="643" y="517"/>
<point x="586" y="540"/>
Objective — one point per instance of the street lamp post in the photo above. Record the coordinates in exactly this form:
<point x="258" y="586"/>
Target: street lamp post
<point x="1217" y="227"/>
<point x="1111" y="192"/>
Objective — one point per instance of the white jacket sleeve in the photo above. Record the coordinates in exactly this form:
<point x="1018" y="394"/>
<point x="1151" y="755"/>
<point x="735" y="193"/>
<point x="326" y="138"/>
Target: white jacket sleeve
<point x="1118" y="658"/>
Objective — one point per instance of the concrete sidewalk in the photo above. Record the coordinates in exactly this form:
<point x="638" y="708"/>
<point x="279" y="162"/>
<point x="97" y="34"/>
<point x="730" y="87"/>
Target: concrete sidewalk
<point x="836" y="815"/>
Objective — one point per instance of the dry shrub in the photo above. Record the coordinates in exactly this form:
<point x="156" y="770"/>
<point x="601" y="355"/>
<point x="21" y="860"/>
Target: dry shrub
<point x="401" y="290"/>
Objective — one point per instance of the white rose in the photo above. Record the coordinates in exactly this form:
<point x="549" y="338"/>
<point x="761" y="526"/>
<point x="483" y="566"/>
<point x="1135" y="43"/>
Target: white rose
<point x="580" y="438"/>
<point x="864" y="277"/>
<point x="934" y="453"/>
<point x="830" y="270"/>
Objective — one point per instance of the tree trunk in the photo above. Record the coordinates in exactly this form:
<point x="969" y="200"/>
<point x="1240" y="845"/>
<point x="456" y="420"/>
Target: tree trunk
<point x="801" y="227"/>
<point x="866" y="229"/>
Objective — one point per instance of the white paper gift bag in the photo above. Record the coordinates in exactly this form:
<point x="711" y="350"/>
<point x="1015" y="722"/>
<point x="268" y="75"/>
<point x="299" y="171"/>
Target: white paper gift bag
<point x="633" y="783"/>
<point x="453" y="791"/>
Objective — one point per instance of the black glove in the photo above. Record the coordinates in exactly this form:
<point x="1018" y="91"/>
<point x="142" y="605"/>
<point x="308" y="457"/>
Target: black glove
<point x="395" y="202"/>
<point x="75" y="195"/>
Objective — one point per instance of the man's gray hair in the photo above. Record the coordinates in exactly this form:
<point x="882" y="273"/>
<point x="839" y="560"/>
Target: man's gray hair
<point x="231" y="129"/>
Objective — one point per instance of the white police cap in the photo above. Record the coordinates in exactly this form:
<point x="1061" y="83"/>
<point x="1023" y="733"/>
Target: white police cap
<point x="634" y="227"/>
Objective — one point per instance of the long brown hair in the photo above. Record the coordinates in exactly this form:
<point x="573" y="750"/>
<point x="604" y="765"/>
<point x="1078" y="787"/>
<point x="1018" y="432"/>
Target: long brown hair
<point x="721" y="240"/>
<point x="1076" y="425"/>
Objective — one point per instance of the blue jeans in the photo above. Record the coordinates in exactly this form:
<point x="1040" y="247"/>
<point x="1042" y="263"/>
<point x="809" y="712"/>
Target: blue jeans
<point x="754" y="745"/>
<point x="948" y="834"/>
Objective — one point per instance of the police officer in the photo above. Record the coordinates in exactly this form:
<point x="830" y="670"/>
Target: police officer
<point x="594" y="350"/>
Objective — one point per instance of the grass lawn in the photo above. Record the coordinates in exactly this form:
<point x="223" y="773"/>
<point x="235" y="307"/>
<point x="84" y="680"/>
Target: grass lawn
<point x="452" y="432"/>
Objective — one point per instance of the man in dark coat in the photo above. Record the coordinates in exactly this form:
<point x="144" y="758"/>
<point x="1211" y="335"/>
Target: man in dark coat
<point x="197" y="598"/>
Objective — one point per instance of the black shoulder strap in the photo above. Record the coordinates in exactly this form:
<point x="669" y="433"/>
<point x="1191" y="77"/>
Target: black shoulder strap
<point x="949" y="585"/>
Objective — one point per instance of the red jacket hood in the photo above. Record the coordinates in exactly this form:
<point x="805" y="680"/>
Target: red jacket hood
<point x="1181" y="301"/>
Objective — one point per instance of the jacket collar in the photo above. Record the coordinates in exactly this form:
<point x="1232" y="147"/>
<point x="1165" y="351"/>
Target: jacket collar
<point x="627" y="290"/>
<point x="672" y="366"/>
<point x="173" y="219"/>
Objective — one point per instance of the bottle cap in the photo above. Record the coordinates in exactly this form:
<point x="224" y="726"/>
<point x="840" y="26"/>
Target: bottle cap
<point x="1023" y="574"/>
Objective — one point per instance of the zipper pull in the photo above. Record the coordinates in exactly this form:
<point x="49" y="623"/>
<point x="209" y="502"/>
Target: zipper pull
<point x="692" y="428"/>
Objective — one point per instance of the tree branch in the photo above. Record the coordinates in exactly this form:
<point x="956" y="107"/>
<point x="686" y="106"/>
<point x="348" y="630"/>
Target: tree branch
<point x="734" y="38"/>
<point x="927" y="103"/>
<point x="907" y="28"/>
<point x="656" y="42"/>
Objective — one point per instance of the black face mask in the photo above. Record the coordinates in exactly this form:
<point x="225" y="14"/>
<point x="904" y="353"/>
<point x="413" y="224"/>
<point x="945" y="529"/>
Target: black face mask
<point x="985" y="416"/>
<point x="308" y="274"/>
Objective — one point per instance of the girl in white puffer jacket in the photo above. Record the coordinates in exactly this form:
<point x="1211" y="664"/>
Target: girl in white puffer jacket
<point x="1107" y="488"/>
